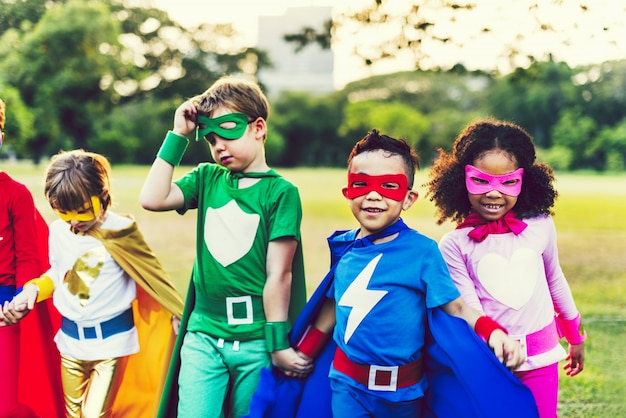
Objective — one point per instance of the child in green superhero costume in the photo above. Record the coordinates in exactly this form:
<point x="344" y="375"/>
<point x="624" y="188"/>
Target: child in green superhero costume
<point x="248" y="278"/>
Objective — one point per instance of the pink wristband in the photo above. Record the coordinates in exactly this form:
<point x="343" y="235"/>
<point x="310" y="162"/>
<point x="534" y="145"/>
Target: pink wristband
<point x="485" y="326"/>
<point x="571" y="329"/>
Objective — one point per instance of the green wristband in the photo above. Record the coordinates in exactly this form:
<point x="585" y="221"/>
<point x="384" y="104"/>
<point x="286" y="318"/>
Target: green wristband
<point x="276" y="335"/>
<point x="173" y="148"/>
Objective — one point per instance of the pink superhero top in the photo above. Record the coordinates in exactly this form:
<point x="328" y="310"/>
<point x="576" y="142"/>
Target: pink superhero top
<point x="518" y="281"/>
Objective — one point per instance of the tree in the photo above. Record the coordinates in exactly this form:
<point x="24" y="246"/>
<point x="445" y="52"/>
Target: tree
<point x="57" y="67"/>
<point x="603" y="91"/>
<point x="393" y="119"/>
<point x="428" y="31"/>
<point x="14" y="14"/>
<point x="308" y="126"/>
<point x="576" y="132"/>
<point x="19" y="124"/>
<point x="73" y="64"/>
<point x="534" y="98"/>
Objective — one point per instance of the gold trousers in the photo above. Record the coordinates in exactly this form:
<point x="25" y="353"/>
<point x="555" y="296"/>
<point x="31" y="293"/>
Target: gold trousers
<point x="90" y="386"/>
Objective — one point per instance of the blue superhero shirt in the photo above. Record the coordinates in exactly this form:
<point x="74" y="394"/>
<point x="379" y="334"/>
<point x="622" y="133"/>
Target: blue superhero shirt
<point x="381" y="293"/>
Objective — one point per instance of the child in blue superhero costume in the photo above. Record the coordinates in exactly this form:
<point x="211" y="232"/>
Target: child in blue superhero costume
<point x="383" y="285"/>
<point x="248" y="277"/>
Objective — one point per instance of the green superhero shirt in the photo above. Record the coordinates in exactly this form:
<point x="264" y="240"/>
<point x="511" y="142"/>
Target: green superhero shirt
<point x="234" y="229"/>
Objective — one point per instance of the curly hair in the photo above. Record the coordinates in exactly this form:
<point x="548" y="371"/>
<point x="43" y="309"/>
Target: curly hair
<point x="446" y="178"/>
<point x="375" y="141"/>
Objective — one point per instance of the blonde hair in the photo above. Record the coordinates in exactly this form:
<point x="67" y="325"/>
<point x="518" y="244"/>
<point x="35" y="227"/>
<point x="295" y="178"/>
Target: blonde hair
<point x="72" y="177"/>
<point x="2" y="114"/>
<point x="237" y="95"/>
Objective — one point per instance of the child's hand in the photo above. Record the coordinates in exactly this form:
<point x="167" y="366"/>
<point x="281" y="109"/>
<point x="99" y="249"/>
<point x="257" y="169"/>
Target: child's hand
<point x="12" y="313"/>
<point x="185" y="119"/>
<point x="4" y="322"/>
<point x="26" y="298"/>
<point x="292" y="363"/>
<point x="508" y="350"/>
<point x="576" y="359"/>
<point x="21" y="305"/>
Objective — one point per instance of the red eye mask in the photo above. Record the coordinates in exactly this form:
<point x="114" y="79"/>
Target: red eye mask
<point x="392" y="186"/>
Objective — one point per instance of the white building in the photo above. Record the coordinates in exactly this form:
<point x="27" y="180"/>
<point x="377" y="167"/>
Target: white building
<point x="309" y="70"/>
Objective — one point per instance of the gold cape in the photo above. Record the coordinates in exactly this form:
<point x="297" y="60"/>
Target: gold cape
<point x="157" y="300"/>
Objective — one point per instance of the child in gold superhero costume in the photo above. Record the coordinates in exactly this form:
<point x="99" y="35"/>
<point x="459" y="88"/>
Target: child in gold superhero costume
<point x="101" y="265"/>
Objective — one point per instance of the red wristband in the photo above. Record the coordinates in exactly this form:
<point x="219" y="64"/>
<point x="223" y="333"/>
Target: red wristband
<point x="312" y="341"/>
<point x="485" y="326"/>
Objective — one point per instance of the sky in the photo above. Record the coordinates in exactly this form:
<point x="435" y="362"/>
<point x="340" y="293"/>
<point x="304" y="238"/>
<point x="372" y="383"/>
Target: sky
<point x="577" y="37"/>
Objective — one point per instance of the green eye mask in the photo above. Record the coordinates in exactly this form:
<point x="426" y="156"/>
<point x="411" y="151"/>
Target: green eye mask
<point x="208" y="125"/>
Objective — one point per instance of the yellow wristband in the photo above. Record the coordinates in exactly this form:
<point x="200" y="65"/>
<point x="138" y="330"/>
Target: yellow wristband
<point x="45" y="286"/>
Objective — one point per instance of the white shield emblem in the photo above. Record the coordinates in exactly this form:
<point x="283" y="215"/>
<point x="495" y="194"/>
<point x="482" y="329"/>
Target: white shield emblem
<point x="229" y="232"/>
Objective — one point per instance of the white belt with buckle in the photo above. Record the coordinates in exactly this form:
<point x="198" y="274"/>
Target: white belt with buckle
<point x="248" y="319"/>
<point x="393" y="380"/>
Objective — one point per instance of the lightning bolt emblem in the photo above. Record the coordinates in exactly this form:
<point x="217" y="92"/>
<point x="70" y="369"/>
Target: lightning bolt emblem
<point x="361" y="299"/>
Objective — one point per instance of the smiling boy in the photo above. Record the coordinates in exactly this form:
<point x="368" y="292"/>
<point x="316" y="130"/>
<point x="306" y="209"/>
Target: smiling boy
<point x="386" y="279"/>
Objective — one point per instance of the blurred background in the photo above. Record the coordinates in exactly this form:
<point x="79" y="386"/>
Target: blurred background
<point x="108" y="75"/>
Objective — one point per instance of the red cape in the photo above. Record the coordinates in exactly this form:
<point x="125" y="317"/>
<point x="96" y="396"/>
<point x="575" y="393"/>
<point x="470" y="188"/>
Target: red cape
<point x="40" y="386"/>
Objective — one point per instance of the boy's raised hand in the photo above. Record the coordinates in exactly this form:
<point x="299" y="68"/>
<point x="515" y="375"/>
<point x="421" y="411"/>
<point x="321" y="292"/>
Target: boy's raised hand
<point x="185" y="119"/>
<point x="506" y="349"/>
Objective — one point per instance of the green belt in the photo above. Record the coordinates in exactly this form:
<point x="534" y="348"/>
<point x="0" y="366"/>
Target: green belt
<point x="234" y="310"/>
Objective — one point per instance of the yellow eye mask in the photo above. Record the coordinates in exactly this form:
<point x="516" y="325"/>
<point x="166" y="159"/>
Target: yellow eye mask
<point x="83" y="215"/>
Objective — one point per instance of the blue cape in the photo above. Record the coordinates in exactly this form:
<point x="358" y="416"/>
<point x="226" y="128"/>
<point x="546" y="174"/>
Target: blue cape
<point x="465" y="378"/>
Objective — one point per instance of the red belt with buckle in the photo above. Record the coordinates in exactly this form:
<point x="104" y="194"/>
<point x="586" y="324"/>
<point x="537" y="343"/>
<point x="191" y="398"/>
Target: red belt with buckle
<point x="383" y="378"/>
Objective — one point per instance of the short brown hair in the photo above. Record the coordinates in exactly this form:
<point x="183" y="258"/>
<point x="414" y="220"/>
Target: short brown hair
<point x="375" y="141"/>
<point x="72" y="177"/>
<point x="236" y="94"/>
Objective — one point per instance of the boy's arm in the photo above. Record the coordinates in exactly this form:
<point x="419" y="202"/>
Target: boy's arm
<point x="158" y="192"/>
<point x="317" y="334"/>
<point x="276" y="296"/>
<point x="508" y="351"/>
<point x="277" y="290"/>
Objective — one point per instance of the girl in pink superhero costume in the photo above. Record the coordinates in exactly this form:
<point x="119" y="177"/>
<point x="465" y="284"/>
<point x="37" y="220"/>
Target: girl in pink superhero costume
<point x="503" y="255"/>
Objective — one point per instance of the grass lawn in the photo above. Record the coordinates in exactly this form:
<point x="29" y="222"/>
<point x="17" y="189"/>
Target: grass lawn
<point x="591" y="231"/>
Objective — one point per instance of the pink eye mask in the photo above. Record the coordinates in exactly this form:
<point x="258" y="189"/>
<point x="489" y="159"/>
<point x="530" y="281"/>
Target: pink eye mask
<point x="478" y="182"/>
<point x="391" y="186"/>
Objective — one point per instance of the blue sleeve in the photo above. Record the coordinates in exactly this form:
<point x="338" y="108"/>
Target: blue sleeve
<point x="440" y="288"/>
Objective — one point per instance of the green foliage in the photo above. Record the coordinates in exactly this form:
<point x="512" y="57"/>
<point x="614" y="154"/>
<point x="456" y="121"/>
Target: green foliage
<point x="308" y="126"/>
<point x="76" y="77"/>
<point x="575" y="132"/>
<point x="534" y="97"/>
<point x="558" y="157"/>
<point x="65" y="96"/>
<point x="393" y="119"/>
<point x="611" y="144"/>
<point x="14" y="14"/>
<point x="18" y="125"/>
<point x="76" y="62"/>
